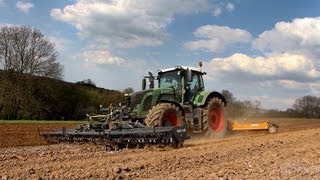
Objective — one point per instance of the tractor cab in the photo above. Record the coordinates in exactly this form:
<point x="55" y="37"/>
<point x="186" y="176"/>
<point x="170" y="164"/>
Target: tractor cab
<point x="186" y="81"/>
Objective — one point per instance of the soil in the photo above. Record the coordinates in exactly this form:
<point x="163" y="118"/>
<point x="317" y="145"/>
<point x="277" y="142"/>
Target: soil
<point x="26" y="134"/>
<point x="291" y="153"/>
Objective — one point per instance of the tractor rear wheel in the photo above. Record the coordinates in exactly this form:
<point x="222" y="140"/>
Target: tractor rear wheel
<point x="214" y="125"/>
<point x="164" y="114"/>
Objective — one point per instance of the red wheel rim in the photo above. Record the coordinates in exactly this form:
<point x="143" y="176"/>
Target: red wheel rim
<point x="170" y="119"/>
<point x="216" y="119"/>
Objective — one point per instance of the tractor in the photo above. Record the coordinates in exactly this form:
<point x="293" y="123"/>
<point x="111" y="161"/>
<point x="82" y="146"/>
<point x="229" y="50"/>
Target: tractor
<point x="179" y="99"/>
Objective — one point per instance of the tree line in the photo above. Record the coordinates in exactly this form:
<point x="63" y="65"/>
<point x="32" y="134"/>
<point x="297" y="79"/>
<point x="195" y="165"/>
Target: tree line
<point x="304" y="107"/>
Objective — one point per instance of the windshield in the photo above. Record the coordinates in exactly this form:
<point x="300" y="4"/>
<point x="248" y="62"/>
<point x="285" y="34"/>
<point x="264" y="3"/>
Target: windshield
<point x="170" y="80"/>
<point x="195" y="85"/>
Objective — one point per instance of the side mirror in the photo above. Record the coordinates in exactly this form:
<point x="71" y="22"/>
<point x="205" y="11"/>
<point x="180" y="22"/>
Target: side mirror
<point x="151" y="80"/>
<point x="151" y="86"/>
<point x="189" y="75"/>
<point x="144" y="84"/>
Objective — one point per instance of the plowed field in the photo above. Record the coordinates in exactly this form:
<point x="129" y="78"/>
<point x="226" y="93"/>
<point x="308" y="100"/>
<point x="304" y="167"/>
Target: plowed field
<point x="292" y="153"/>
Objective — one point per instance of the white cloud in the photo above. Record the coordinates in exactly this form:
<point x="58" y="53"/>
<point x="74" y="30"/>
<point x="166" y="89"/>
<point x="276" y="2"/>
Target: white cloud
<point x="2" y="3"/>
<point x="126" y="23"/>
<point x="217" y="11"/>
<point x="230" y="7"/>
<point x="112" y="72"/>
<point x="61" y="44"/>
<point x="216" y="38"/>
<point x="101" y="57"/>
<point x="275" y="80"/>
<point x="300" y="35"/>
<point x="282" y="66"/>
<point x="288" y="68"/>
<point x="291" y="84"/>
<point x="315" y="88"/>
<point x="24" y="6"/>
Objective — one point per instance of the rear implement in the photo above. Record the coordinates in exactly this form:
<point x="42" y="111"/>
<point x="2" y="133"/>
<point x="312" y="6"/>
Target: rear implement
<point x="123" y="136"/>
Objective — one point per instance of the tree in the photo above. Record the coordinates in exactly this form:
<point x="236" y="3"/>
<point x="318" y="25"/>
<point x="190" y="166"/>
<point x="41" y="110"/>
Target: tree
<point x="308" y="106"/>
<point x="228" y="95"/>
<point x="25" y="50"/>
<point x="87" y="82"/>
<point x="236" y="108"/>
<point x="127" y="90"/>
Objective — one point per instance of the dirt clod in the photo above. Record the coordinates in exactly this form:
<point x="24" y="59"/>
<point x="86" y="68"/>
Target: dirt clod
<point x="31" y="171"/>
<point x="117" y="170"/>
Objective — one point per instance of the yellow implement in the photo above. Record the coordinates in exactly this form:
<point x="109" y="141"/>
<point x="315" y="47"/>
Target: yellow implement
<point x="237" y="126"/>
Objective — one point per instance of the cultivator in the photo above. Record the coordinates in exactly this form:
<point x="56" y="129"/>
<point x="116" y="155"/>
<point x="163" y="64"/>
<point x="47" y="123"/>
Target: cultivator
<point x="123" y="135"/>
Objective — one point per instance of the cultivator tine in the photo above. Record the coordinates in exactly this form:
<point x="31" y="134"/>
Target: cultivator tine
<point x="125" y="138"/>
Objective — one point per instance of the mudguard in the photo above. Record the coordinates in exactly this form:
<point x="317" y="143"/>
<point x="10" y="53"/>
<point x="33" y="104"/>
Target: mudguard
<point x="203" y="96"/>
<point x="173" y="102"/>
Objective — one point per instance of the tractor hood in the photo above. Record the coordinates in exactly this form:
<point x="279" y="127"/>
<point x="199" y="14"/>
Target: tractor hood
<point x="136" y="97"/>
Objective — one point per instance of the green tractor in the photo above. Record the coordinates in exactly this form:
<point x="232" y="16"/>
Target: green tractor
<point x="179" y="99"/>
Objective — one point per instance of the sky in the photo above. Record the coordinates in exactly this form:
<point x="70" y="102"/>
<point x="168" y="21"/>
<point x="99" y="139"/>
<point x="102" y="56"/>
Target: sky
<point x="266" y="50"/>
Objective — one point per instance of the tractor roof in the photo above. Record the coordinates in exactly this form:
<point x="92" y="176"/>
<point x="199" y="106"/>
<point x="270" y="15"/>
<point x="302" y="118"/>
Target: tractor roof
<point x="180" y="68"/>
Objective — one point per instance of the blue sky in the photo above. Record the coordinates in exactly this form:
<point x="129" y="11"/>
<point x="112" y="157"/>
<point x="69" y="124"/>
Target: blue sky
<point x="264" y="50"/>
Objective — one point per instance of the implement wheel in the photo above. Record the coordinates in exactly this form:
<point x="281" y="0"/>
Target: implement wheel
<point x="164" y="114"/>
<point x="273" y="128"/>
<point x="214" y="125"/>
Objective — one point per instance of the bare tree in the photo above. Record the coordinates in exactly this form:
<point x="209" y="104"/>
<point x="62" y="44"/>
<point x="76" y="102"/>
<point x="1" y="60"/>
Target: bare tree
<point x="237" y="108"/>
<point x="25" y="50"/>
<point x="229" y="96"/>
<point x="308" y="106"/>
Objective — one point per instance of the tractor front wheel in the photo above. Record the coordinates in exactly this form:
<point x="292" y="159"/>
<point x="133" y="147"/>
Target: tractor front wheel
<point x="164" y="114"/>
<point x="214" y="125"/>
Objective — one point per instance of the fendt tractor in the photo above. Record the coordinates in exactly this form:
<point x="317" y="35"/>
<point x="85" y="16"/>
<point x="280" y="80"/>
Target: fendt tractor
<point x="177" y="107"/>
<point x="180" y="99"/>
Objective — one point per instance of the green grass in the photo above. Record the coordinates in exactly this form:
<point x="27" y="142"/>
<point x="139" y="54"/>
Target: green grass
<point x="40" y="121"/>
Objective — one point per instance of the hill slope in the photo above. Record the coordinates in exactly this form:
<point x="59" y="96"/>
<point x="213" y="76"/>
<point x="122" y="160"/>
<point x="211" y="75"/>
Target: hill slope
<point x="30" y="97"/>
